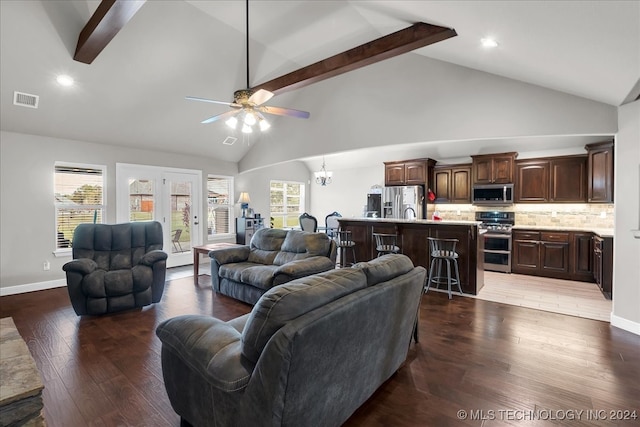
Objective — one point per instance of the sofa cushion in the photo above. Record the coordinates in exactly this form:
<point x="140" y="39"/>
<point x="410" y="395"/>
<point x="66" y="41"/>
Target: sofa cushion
<point x="265" y="245"/>
<point x="303" y="244"/>
<point x="291" y="300"/>
<point x="260" y="276"/>
<point x="385" y="268"/>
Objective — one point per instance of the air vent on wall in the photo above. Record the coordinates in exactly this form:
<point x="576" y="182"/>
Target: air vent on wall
<point x="229" y="140"/>
<point x="25" y="99"/>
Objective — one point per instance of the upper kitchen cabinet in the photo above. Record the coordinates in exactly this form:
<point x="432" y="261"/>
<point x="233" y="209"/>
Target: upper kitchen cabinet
<point x="532" y="181"/>
<point x="408" y="172"/>
<point x="600" y="172"/>
<point x="551" y="180"/>
<point x="452" y="183"/>
<point x="493" y="168"/>
<point x="568" y="179"/>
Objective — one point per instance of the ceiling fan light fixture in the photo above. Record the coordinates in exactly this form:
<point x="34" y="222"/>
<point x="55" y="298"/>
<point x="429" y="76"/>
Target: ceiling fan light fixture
<point x="250" y="118"/>
<point x="246" y="129"/>
<point x="232" y="122"/>
<point x="264" y="125"/>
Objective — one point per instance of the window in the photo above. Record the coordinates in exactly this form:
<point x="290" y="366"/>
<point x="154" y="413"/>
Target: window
<point x="79" y="198"/>
<point x="287" y="203"/>
<point x="141" y="200"/>
<point x="219" y="205"/>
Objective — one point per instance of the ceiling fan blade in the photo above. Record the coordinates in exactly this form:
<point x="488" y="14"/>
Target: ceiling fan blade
<point x="260" y="97"/>
<point x="229" y="104"/>
<point x="280" y="111"/>
<point x="220" y="116"/>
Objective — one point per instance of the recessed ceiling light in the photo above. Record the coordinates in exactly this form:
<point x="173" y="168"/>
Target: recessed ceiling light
<point x="64" y="80"/>
<point x="488" y="42"/>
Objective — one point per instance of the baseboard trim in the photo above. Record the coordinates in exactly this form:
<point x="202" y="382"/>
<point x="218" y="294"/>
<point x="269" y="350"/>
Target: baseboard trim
<point x="627" y="325"/>
<point x="32" y="287"/>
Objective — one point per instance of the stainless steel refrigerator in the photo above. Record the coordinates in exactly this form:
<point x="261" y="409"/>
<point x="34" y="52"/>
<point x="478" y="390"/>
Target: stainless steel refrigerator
<point x="403" y="202"/>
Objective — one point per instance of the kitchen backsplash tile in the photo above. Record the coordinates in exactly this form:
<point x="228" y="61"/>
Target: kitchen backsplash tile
<point x="563" y="215"/>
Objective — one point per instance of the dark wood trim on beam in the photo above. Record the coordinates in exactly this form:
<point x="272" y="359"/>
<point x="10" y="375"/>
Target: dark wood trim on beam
<point x="416" y="36"/>
<point x="109" y="18"/>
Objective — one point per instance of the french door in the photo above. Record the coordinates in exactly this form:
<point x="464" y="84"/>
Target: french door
<point x="170" y="196"/>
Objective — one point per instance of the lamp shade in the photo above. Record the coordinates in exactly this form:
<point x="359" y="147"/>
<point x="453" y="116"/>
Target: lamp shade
<point x="244" y="197"/>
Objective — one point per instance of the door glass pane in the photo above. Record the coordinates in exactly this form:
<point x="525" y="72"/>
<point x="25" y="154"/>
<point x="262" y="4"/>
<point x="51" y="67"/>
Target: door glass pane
<point x="181" y="192"/>
<point x="141" y="200"/>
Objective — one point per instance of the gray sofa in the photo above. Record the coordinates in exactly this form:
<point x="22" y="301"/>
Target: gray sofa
<point x="273" y="257"/>
<point x="309" y="353"/>
<point x="116" y="267"/>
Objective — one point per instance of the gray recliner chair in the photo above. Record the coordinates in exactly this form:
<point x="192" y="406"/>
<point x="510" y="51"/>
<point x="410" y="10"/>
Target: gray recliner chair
<point x="116" y="267"/>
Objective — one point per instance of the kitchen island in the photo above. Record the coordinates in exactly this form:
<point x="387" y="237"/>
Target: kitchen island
<point x="412" y="239"/>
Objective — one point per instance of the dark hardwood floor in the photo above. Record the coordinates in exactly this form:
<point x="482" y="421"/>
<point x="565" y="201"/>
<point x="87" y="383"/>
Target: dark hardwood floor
<point x="473" y="356"/>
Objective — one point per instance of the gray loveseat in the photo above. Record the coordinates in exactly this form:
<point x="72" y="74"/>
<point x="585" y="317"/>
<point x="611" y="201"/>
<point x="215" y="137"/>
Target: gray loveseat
<point x="274" y="256"/>
<point x="309" y="353"/>
<point x="116" y="267"/>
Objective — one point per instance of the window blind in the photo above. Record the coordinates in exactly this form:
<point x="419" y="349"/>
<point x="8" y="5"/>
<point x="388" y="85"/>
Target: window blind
<point x="78" y="198"/>
<point x="219" y="205"/>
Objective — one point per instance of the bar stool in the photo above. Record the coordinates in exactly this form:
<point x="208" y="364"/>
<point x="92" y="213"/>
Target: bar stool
<point x="345" y="241"/>
<point x="443" y="251"/>
<point x="386" y="243"/>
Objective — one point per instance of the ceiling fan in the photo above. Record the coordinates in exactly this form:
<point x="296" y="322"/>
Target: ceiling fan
<point x="248" y="104"/>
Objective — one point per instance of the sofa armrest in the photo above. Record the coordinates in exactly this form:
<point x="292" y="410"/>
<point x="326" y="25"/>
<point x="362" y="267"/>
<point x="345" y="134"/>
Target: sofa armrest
<point x="305" y="267"/>
<point x="81" y="265"/>
<point x="229" y="255"/>
<point x="209" y="346"/>
<point x="152" y="257"/>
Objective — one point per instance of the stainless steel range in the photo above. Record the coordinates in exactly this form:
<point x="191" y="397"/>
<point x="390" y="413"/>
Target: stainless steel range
<point x="496" y="227"/>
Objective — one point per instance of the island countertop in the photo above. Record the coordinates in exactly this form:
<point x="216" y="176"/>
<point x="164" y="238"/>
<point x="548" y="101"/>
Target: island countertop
<point x="414" y="221"/>
<point x="412" y="239"/>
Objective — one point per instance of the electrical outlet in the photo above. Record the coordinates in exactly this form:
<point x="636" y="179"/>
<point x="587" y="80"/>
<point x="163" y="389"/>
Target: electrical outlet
<point x="46" y="266"/>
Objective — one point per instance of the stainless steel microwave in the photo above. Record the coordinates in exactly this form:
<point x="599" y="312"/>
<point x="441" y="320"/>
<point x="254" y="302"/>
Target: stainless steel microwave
<point x="493" y="194"/>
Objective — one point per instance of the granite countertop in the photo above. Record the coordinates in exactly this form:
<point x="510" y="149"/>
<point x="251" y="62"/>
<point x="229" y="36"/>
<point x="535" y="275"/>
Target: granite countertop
<point x="602" y="232"/>
<point x="413" y="221"/>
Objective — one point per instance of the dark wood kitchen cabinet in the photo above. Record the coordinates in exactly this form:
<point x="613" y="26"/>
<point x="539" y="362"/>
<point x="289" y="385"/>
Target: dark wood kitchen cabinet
<point x="551" y="180"/>
<point x="554" y="254"/>
<point x="408" y="172"/>
<point x="603" y="264"/>
<point x="600" y="172"/>
<point x="526" y="252"/>
<point x="568" y="179"/>
<point x="493" y="168"/>
<point x="532" y="181"/>
<point x="452" y="184"/>
<point x="541" y="253"/>
<point x="582" y="256"/>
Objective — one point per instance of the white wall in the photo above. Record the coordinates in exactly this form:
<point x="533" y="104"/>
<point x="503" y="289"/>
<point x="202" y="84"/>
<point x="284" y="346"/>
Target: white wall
<point x="257" y="184"/>
<point x="422" y="100"/>
<point x="347" y="193"/>
<point x="27" y="224"/>
<point x="626" y="248"/>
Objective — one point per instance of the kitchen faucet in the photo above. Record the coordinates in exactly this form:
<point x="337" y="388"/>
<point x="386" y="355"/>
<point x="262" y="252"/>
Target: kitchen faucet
<point x="404" y="214"/>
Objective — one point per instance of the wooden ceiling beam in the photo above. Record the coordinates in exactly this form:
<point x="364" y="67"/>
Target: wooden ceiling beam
<point x="109" y="18"/>
<point x="416" y="36"/>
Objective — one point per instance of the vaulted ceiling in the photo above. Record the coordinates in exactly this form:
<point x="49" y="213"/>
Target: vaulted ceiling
<point x="133" y="93"/>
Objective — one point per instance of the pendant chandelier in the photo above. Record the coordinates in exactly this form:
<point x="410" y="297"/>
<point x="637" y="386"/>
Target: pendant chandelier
<point x="323" y="177"/>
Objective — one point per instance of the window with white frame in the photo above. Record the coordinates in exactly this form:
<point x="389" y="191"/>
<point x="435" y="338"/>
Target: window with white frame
<point x="287" y="203"/>
<point x="79" y="198"/>
<point x="219" y="205"/>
